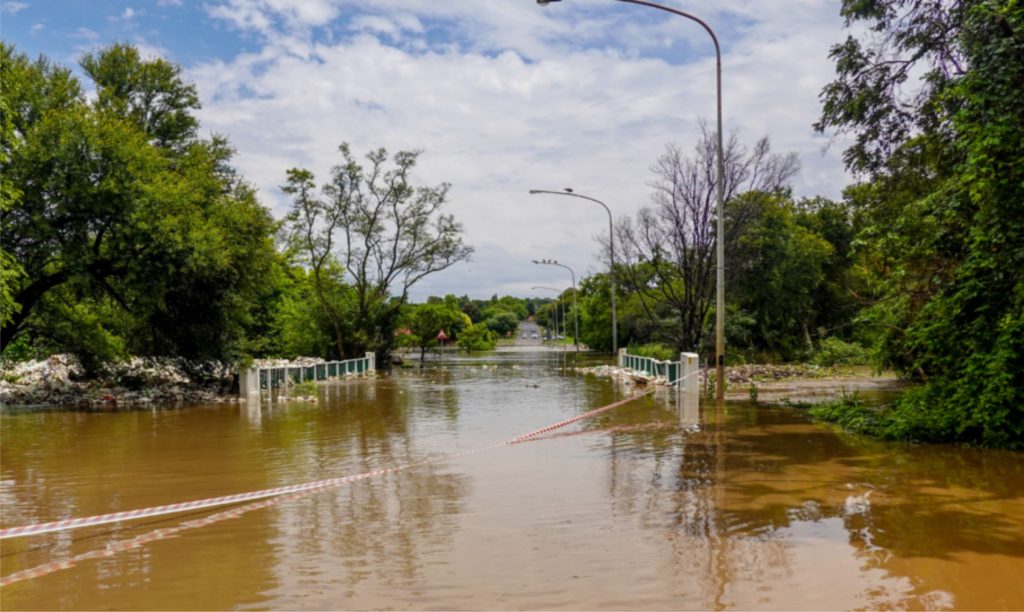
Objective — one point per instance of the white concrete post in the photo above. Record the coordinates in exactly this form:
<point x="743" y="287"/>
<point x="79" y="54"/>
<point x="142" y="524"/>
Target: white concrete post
<point x="690" y="363"/>
<point x="621" y="357"/>
<point x="249" y="384"/>
<point x="371" y="362"/>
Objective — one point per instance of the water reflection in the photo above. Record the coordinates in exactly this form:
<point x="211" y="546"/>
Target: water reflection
<point x="762" y="508"/>
<point x="661" y="504"/>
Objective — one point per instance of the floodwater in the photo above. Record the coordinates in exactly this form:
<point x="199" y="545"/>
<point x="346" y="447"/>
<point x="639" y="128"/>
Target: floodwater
<point x="649" y="506"/>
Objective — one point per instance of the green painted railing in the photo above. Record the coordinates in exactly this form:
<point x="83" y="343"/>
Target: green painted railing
<point x="255" y="379"/>
<point x="684" y="373"/>
<point x="669" y="371"/>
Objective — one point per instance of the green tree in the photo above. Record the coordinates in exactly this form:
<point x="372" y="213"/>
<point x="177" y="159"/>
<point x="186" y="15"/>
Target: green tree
<point x="666" y="257"/>
<point x="778" y="267"/>
<point x="477" y="338"/>
<point x="10" y="269"/>
<point x="124" y="224"/>
<point x="426" y="321"/>
<point x="501" y="321"/>
<point x="385" y="233"/>
<point x="312" y="223"/>
<point x="941" y="207"/>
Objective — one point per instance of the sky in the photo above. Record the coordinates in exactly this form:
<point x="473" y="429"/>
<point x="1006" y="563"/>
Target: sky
<point x="502" y="96"/>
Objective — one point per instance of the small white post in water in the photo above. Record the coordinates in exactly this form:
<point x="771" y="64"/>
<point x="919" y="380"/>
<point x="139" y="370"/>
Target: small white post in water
<point x="249" y="384"/>
<point x="621" y="357"/>
<point x="690" y="381"/>
<point x="689" y="388"/>
<point x="371" y="362"/>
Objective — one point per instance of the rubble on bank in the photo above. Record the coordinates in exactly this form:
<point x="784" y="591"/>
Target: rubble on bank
<point x="139" y="382"/>
<point x="626" y="375"/>
<point x="735" y="375"/>
<point x="280" y="363"/>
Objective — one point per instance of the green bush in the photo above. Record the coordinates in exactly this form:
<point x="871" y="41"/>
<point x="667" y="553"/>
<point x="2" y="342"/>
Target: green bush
<point x="477" y="338"/>
<point x="834" y="351"/>
<point x="655" y="350"/>
<point x="502" y="322"/>
<point x="906" y="420"/>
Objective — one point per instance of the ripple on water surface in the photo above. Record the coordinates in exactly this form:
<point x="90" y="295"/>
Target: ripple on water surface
<point x="649" y="506"/>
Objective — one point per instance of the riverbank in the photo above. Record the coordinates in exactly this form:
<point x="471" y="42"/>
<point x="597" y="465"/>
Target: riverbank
<point x="769" y="383"/>
<point x="140" y="382"/>
<point x="60" y="380"/>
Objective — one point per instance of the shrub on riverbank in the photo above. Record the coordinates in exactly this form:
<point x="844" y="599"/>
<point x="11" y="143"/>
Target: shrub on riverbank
<point x="834" y="351"/>
<point x="478" y="338"/>
<point x="911" y="419"/>
<point x="655" y="350"/>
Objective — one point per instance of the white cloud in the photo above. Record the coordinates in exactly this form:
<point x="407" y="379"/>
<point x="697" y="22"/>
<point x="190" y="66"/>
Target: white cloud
<point x="169" y="2"/>
<point x="37" y="27"/>
<point x="260" y="15"/>
<point x="127" y="16"/>
<point x="84" y="33"/>
<point x="517" y="104"/>
<point x="12" y="8"/>
<point x="149" y="51"/>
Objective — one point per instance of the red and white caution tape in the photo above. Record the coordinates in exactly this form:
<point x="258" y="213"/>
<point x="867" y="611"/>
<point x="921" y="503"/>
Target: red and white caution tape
<point x="215" y="502"/>
<point x="201" y="504"/>
<point x="266" y="497"/>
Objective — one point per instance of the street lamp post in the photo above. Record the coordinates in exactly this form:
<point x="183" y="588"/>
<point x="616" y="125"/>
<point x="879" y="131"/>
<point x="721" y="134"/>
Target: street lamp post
<point x="719" y="188"/>
<point x="575" y="305"/>
<point x="611" y="255"/>
<point x="561" y="303"/>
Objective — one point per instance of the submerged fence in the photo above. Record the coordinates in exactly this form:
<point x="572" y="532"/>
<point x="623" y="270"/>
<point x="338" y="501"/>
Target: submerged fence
<point x="682" y="373"/>
<point x="251" y="381"/>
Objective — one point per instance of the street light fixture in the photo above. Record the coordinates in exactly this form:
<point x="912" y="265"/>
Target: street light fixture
<point x="719" y="188"/>
<point x="561" y="303"/>
<point x="611" y="254"/>
<point x="575" y="305"/>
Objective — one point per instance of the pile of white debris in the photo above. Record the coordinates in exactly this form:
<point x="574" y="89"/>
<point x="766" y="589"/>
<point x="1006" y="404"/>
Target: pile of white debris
<point x="626" y="375"/>
<point x="60" y="380"/>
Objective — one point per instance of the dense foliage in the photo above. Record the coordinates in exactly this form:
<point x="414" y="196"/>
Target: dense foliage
<point x="124" y="232"/>
<point x="792" y="277"/>
<point x="129" y="234"/>
<point x="941" y="207"/>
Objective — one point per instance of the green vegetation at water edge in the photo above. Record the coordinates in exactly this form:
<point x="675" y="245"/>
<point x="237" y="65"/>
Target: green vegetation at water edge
<point x="900" y="421"/>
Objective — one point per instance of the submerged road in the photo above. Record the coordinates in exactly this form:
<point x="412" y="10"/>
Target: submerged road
<point x="644" y="507"/>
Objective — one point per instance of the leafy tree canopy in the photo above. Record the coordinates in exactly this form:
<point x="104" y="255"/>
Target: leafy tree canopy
<point x="941" y="207"/>
<point x="124" y="224"/>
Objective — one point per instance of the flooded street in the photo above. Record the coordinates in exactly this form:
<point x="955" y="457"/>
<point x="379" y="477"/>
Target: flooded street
<point x="648" y="506"/>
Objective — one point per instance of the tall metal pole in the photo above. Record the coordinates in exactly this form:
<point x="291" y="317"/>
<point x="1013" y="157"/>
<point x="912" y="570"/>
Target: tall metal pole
<point x="611" y="256"/>
<point x="719" y="188"/>
<point x="575" y="304"/>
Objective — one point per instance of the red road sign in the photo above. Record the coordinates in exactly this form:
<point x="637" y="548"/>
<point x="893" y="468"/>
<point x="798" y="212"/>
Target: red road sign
<point x="442" y="336"/>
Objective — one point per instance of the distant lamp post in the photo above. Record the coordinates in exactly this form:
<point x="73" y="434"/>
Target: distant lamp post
<point x="719" y="188"/>
<point x="575" y="305"/>
<point x="561" y="303"/>
<point x="611" y="254"/>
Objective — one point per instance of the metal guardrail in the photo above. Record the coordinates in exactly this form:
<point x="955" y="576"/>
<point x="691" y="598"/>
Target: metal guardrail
<point x="682" y="373"/>
<point x="251" y="381"/>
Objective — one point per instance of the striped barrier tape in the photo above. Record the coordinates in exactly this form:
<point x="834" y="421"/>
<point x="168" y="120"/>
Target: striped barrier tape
<point x="269" y="499"/>
<point x="113" y="548"/>
<point x="262" y="498"/>
<point x="214" y="502"/>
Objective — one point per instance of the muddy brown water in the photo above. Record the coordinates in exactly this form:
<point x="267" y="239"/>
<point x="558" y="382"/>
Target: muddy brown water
<point x="650" y="506"/>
